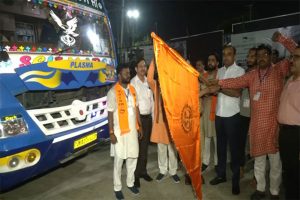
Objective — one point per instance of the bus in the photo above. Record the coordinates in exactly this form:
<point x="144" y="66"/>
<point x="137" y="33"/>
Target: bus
<point x="57" y="62"/>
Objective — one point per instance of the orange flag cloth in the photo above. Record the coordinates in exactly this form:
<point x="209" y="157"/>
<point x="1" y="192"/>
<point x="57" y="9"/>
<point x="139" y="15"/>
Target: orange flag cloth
<point x="180" y="91"/>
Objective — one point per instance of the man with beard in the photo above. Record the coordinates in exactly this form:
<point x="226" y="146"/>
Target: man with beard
<point x="124" y="129"/>
<point x="208" y="106"/>
<point x="245" y="110"/>
<point x="265" y="85"/>
<point x="146" y="107"/>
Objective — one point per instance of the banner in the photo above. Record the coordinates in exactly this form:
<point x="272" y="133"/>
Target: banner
<point x="244" y="41"/>
<point x="180" y="91"/>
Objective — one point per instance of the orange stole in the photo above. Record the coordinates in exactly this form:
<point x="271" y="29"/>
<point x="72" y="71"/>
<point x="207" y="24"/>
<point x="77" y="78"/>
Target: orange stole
<point x="213" y="105"/>
<point x="123" y="108"/>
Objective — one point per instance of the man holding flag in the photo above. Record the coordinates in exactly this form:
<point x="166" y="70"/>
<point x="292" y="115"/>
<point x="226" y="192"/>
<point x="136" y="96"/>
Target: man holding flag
<point x="180" y="94"/>
<point x="167" y="159"/>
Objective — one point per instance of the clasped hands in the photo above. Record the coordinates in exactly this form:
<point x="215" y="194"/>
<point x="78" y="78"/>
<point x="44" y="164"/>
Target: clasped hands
<point x="212" y="86"/>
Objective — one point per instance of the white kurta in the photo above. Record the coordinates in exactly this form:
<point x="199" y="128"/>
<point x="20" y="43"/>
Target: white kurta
<point x="127" y="145"/>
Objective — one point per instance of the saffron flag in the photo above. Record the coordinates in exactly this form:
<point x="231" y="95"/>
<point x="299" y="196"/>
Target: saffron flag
<point x="180" y="92"/>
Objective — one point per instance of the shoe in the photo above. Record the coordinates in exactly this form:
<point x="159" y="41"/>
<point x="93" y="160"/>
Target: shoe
<point x="274" y="197"/>
<point x="235" y="190"/>
<point x="258" y="195"/>
<point x="147" y="178"/>
<point x="134" y="190"/>
<point x="217" y="181"/>
<point x="160" y="177"/>
<point x="137" y="182"/>
<point x="176" y="178"/>
<point x="119" y="195"/>
<point x="187" y="180"/>
<point x="204" y="167"/>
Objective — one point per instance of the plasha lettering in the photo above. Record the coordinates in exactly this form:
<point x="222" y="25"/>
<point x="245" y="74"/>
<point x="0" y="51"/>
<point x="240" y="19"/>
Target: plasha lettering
<point x="81" y="65"/>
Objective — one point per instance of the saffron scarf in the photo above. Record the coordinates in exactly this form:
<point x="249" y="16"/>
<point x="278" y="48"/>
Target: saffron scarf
<point x="123" y="107"/>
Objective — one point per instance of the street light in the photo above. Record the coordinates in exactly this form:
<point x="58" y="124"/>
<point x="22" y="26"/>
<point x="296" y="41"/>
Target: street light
<point x="133" y="13"/>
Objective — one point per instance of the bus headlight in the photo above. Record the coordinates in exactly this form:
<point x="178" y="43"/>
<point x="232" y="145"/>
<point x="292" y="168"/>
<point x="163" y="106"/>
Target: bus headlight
<point x="14" y="162"/>
<point x="31" y="156"/>
<point x="12" y="125"/>
<point x="19" y="160"/>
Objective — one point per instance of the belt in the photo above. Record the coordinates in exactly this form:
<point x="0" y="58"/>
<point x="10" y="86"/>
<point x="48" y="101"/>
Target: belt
<point x="146" y="116"/>
<point x="290" y="126"/>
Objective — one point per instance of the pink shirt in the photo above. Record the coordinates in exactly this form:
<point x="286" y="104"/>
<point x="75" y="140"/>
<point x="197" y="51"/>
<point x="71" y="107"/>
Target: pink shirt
<point x="289" y="108"/>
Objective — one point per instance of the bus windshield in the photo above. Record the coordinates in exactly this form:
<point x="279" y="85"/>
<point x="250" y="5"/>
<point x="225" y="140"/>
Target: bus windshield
<point x="53" y="29"/>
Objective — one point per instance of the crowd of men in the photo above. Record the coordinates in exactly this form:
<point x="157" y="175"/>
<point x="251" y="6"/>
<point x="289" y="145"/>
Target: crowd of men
<point x="259" y="102"/>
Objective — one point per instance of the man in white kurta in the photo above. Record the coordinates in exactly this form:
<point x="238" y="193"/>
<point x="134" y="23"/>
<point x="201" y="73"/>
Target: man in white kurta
<point x="126" y="147"/>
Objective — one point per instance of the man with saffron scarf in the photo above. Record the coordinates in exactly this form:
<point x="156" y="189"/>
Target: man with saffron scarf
<point x="209" y="102"/>
<point x="124" y="126"/>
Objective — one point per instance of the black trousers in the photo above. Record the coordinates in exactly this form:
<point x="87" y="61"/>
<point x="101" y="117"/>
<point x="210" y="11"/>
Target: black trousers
<point x="141" y="169"/>
<point x="228" y="131"/>
<point x="245" y="122"/>
<point x="289" y="151"/>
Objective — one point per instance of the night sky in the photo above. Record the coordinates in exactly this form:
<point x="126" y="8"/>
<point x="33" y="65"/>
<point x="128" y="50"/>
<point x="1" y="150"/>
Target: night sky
<point x="180" y="18"/>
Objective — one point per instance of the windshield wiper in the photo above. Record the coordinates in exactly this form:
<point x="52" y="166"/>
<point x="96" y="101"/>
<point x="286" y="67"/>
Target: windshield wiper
<point x="63" y="50"/>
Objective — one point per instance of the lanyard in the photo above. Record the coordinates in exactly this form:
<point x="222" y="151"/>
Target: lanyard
<point x="264" y="76"/>
<point x="127" y="93"/>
